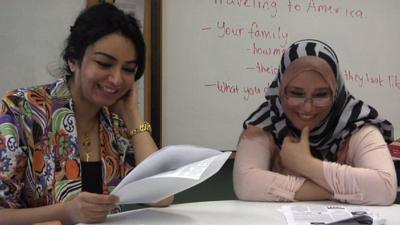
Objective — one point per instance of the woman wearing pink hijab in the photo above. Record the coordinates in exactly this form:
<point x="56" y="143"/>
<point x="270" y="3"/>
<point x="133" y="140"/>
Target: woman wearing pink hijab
<point x="312" y="140"/>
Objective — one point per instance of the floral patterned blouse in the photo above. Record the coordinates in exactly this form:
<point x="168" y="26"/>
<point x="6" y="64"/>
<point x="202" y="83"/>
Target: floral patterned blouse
<point x="39" y="155"/>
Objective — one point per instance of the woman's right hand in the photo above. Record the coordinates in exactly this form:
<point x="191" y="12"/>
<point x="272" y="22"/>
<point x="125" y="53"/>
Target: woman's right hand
<point x="90" y="208"/>
<point x="296" y="154"/>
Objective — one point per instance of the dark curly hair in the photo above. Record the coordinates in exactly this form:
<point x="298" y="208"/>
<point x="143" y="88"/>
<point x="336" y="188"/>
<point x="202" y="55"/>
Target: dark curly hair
<point x="96" y="22"/>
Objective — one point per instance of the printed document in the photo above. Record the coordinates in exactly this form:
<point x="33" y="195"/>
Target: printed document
<point x="329" y="214"/>
<point x="168" y="171"/>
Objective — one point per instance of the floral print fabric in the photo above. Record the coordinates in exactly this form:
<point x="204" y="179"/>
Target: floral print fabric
<point x="39" y="153"/>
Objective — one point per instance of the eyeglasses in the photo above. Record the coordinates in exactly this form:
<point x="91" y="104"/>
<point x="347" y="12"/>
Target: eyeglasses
<point x="297" y="98"/>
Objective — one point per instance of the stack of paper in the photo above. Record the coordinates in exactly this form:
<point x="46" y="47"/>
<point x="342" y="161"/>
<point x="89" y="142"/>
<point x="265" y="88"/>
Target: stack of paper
<point x="394" y="148"/>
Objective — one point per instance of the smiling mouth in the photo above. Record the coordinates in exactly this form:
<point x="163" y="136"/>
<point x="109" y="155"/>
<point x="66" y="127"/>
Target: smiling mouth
<point x="111" y="91"/>
<point x="305" y="116"/>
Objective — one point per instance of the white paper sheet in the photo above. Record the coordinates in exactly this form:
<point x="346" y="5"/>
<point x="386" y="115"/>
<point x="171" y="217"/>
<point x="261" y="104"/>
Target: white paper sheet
<point x="168" y="171"/>
<point x="313" y="215"/>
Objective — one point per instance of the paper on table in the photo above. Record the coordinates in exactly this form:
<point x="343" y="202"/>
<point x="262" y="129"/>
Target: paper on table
<point x="312" y="214"/>
<point x="169" y="171"/>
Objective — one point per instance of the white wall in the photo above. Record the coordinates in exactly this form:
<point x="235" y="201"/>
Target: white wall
<point x="32" y="35"/>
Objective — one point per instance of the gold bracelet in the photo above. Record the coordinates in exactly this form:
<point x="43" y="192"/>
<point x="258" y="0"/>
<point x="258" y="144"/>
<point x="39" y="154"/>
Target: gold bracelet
<point x="144" y="127"/>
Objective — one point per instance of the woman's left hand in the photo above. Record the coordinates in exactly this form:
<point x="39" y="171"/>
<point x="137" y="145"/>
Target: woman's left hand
<point x="127" y="104"/>
<point x="295" y="153"/>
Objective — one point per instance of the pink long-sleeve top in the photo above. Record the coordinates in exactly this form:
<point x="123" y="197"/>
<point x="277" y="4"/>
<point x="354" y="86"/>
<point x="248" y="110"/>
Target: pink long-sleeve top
<point x="363" y="174"/>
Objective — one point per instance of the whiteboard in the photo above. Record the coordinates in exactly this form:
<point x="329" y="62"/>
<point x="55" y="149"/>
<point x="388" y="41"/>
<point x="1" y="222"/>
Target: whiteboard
<point x="219" y="56"/>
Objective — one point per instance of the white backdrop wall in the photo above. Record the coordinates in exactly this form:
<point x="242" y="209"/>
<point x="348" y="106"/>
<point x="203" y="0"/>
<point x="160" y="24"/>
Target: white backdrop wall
<point x="32" y="35"/>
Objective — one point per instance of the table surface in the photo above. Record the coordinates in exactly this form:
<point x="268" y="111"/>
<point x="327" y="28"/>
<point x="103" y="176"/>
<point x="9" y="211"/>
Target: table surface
<point x="229" y="212"/>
